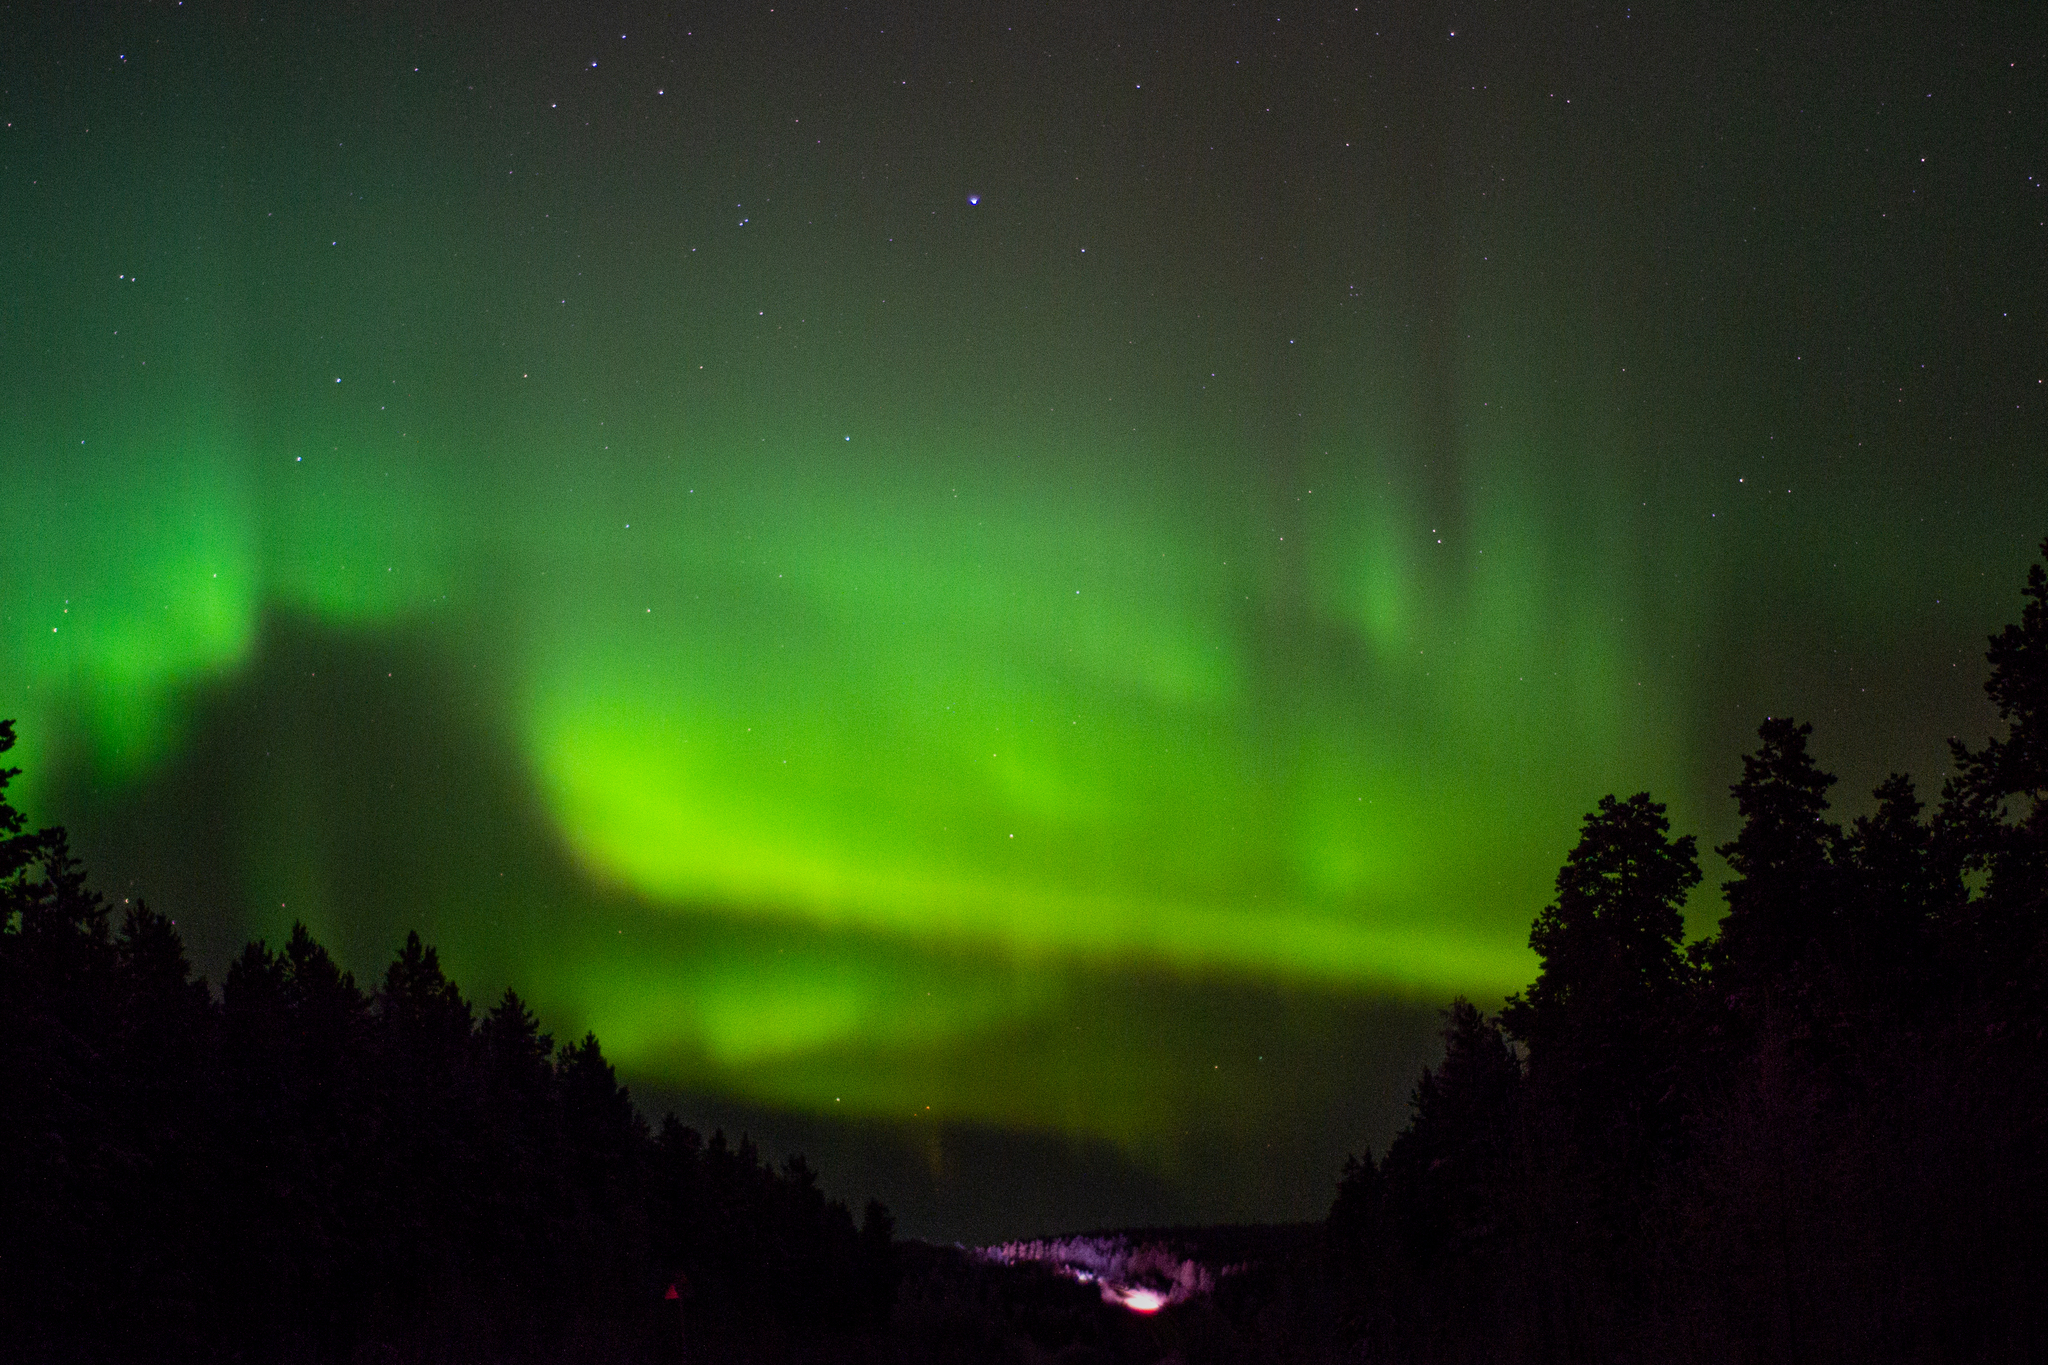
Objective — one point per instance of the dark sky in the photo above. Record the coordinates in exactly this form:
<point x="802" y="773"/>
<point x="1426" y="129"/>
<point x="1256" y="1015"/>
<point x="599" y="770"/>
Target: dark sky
<point x="1011" y="595"/>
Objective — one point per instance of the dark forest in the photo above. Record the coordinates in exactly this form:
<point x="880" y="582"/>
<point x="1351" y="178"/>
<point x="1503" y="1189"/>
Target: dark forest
<point x="1816" y="1135"/>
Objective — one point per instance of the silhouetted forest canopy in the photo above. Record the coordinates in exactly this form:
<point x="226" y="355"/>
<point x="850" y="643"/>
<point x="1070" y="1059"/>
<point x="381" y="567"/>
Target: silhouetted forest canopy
<point x="1819" y="1134"/>
<point x="297" y="1168"/>
<point x="1816" y="1135"/>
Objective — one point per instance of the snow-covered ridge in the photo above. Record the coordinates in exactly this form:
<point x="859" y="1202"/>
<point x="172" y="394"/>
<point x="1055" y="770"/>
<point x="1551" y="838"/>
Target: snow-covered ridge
<point x="1143" y="1277"/>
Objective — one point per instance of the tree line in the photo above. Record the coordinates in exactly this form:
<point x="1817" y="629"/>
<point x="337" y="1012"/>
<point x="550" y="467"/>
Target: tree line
<point x="1820" y="1133"/>
<point x="296" y="1168"/>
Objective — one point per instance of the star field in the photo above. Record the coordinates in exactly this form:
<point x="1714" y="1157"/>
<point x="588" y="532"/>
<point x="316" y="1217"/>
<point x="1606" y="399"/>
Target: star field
<point x="1030" y="575"/>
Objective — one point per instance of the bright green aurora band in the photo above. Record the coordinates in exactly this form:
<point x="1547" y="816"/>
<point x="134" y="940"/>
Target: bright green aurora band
<point x="1076" y="660"/>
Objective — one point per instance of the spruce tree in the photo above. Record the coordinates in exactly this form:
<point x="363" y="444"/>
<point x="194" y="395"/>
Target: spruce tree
<point x="1783" y="901"/>
<point x="1995" y="808"/>
<point x="1601" y="1019"/>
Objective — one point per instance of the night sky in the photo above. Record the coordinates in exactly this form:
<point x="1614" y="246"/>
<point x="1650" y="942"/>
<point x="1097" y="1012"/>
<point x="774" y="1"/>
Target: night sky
<point x="1013" y="596"/>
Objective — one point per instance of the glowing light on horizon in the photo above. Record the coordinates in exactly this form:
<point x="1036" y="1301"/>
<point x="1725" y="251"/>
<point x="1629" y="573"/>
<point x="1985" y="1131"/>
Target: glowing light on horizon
<point x="1143" y="1278"/>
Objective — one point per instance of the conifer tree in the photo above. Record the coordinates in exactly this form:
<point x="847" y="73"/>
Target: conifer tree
<point x="1601" y="1019"/>
<point x="1783" y="901"/>
<point x="1995" y="808"/>
<point x="1903" y="885"/>
<point x="1449" y="1166"/>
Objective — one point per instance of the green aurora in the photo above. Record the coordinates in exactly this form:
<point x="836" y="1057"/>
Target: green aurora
<point x="1102" y="660"/>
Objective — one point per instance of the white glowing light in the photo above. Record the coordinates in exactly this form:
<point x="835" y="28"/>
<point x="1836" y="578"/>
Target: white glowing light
<point x="1125" y="1274"/>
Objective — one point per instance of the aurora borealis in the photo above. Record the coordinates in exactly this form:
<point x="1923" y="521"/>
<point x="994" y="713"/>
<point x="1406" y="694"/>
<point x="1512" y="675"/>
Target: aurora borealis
<point x="994" y="579"/>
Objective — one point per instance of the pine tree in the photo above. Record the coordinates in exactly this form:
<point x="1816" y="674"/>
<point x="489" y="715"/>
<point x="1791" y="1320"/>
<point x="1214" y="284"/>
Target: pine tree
<point x="1446" y="1170"/>
<point x="1995" y="809"/>
<point x="1602" y="1020"/>
<point x="1782" y="917"/>
<point x="61" y="1133"/>
<point x="426" y="1192"/>
<point x="1902" y="887"/>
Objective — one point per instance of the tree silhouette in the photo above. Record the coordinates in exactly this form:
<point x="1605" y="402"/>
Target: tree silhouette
<point x="303" y="1171"/>
<point x="1600" y="1019"/>
<point x="1450" y="1165"/>
<point x="1904" y="886"/>
<point x="1782" y="903"/>
<point x="1995" y="808"/>
<point x="1815" y="1135"/>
